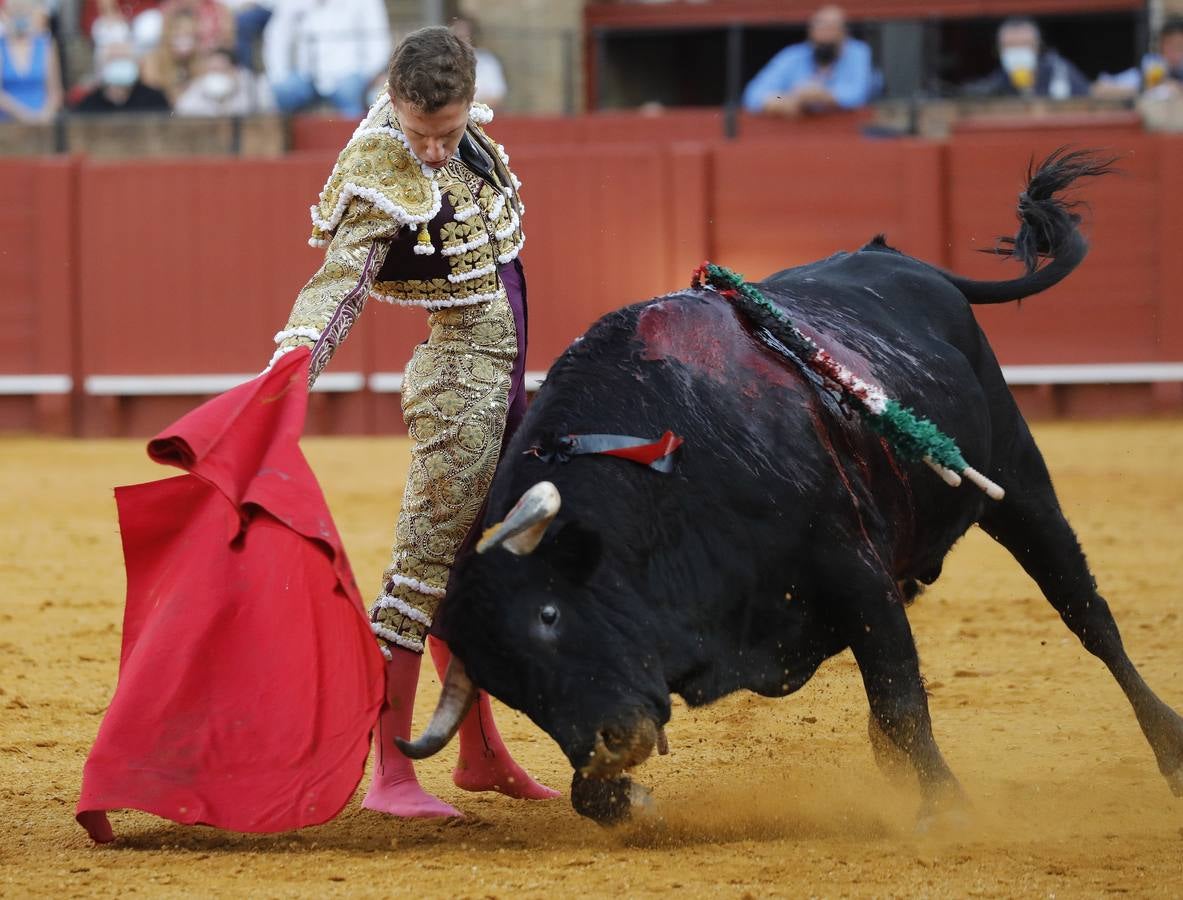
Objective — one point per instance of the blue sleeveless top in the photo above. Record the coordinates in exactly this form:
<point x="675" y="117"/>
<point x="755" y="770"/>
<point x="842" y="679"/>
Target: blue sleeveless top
<point x="28" y="87"/>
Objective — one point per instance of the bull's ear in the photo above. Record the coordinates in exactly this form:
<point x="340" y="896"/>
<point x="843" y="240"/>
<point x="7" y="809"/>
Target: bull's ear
<point x="575" y="551"/>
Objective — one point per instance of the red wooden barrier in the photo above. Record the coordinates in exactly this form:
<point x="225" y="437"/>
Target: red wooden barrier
<point x="1106" y="311"/>
<point x="325" y="134"/>
<point x="188" y="264"/>
<point x="1170" y="266"/>
<point x="37" y="275"/>
<point x="777" y="203"/>
<point x="841" y="123"/>
<point x="188" y="268"/>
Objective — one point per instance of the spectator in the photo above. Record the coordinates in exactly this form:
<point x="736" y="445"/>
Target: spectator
<point x="223" y="88"/>
<point x="1027" y="68"/>
<point x="120" y="88"/>
<point x="30" y="77"/>
<point x="1159" y="76"/>
<point x="829" y="71"/>
<point x="170" y="67"/>
<point x="325" y="50"/>
<point x="250" y="18"/>
<point x="108" y="21"/>
<point x="490" y="77"/>
<point x="215" y="21"/>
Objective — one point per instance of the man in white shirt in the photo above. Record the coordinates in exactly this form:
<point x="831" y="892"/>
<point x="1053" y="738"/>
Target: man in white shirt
<point x="325" y="50"/>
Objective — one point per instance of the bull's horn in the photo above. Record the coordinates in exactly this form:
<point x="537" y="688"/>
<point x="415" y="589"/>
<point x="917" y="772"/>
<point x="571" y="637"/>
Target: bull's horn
<point x="522" y="530"/>
<point x="456" y="700"/>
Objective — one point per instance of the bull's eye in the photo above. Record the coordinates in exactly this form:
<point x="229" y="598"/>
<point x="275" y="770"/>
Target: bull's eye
<point x="549" y="614"/>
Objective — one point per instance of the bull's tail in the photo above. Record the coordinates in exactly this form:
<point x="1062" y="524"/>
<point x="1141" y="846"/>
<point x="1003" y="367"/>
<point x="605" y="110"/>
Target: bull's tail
<point x="1048" y="230"/>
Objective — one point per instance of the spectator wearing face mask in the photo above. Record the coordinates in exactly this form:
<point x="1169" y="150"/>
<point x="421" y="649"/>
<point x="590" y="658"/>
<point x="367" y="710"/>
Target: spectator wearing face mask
<point x="1159" y="76"/>
<point x="30" y="77"/>
<point x="119" y="86"/>
<point x="1027" y="68"/>
<point x="831" y="70"/>
<point x="222" y="88"/>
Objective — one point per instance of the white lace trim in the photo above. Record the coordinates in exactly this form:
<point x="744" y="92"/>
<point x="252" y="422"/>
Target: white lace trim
<point x="509" y="229"/>
<point x="461" y="277"/>
<point x="465" y="213"/>
<point x="480" y="114"/>
<point x="394" y="637"/>
<point x="383" y="99"/>
<point x="388" y="602"/>
<point x="512" y="253"/>
<point x="421" y="587"/>
<point x="366" y="129"/>
<point x="349" y="190"/>
<point x="458" y="249"/>
<point x="426" y="303"/>
<point x="496" y="207"/>
<point x="423" y="249"/>
<point x="311" y="333"/>
<point x="276" y="355"/>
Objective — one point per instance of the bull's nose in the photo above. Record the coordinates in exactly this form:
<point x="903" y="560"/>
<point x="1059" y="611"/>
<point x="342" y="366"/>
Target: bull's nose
<point x="616" y="738"/>
<point x="621" y="746"/>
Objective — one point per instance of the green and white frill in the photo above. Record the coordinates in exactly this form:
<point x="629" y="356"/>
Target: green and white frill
<point x="913" y="438"/>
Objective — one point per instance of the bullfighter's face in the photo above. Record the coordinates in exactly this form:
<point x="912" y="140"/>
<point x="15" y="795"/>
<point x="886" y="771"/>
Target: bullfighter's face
<point x="434" y="137"/>
<point x="554" y="634"/>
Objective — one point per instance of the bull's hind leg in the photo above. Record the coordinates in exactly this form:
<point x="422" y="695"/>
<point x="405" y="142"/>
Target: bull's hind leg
<point x="1030" y="524"/>
<point x="881" y="640"/>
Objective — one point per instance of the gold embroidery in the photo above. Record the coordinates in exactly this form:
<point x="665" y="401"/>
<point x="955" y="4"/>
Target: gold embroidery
<point x="363" y="237"/>
<point x="456" y="421"/>
<point x="379" y="168"/>
<point x="418" y="292"/>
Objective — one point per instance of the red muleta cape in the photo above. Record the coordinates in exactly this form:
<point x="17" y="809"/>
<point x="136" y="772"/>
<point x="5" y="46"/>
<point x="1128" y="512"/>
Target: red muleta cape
<point x="249" y="679"/>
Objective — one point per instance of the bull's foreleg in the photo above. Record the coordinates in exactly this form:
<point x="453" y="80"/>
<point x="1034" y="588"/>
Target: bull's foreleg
<point x="886" y="654"/>
<point x="1031" y="526"/>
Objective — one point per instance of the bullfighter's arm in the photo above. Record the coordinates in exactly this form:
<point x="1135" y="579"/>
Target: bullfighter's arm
<point x="334" y="297"/>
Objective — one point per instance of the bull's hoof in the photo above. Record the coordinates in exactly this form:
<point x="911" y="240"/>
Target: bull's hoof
<point x="935" y="823"/>
<point x="945" y="810"/>
<point x="609" y="801"/>
<point x="1175" y="780"/>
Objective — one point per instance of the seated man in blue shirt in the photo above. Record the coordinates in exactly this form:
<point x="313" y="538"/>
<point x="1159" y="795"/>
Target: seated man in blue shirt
<point x="829" y="71"/>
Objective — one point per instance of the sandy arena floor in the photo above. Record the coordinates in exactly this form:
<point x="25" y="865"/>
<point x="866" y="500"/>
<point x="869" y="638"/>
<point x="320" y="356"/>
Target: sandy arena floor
<point x="759" y="797"/>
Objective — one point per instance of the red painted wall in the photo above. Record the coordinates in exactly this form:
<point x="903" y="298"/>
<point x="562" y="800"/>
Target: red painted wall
<point x="189" y="267"/>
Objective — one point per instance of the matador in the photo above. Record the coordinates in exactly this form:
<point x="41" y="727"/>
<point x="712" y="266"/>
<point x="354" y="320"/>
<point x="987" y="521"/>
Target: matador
<point x="422" y="210"/>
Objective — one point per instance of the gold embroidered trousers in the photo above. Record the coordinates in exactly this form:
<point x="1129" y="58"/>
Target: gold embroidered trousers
<point x="455" y="402"/>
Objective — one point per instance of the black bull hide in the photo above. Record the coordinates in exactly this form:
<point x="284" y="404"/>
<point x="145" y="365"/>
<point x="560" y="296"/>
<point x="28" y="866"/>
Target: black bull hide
<point x="787" y="531"/>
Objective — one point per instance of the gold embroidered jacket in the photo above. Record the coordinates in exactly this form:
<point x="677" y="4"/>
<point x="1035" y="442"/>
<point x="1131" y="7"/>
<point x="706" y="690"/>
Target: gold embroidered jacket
<point x="402" y="232"/>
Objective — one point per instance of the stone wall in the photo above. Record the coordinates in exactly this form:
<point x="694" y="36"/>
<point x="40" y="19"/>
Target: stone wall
<point x="540" y="45"/>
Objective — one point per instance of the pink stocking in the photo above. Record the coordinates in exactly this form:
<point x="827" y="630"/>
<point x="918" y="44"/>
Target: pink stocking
<point x="394" y="789"/>
<point x="485" y="763"/>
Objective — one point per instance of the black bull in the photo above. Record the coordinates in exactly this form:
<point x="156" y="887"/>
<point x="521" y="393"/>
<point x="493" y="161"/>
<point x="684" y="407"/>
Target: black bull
<point x="787" y="530"/>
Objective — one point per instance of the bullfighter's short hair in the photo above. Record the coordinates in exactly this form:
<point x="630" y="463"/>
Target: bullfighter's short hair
<point x="432" y="68"/>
